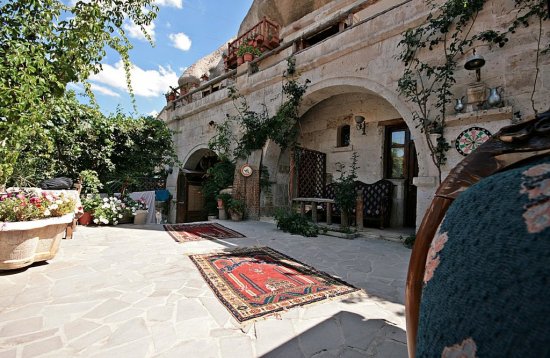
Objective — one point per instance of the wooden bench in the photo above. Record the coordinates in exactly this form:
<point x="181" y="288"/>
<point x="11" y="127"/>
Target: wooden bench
<point x="314" y="201"/>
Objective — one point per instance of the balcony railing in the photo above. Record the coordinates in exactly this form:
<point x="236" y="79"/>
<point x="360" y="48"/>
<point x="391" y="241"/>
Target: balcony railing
<point x="264" y="36"/>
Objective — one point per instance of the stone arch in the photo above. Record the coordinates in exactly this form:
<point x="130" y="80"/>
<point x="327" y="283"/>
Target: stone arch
<point x="328" y="87"/>
<point x="195" y="155"/>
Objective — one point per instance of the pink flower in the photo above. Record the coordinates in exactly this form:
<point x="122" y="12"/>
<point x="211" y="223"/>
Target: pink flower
<point x="433" y="260"/>
<point x="466" y="349"/>
<point x="537" y="170"/>
<point x="537" y="217"/>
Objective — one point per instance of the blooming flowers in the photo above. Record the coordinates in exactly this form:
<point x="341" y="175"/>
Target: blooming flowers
<point x="34" y="204"/>
<point x="110" y="211"/>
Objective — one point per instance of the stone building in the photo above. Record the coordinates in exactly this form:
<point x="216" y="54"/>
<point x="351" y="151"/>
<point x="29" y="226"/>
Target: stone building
<point x="348" y="50"/>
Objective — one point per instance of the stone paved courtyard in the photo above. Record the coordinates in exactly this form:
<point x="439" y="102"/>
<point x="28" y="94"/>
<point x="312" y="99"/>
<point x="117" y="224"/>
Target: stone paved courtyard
<point x="131" y="291"/>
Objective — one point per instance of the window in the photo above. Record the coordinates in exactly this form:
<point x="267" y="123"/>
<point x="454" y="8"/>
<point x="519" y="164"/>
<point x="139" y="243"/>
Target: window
<point x="396" y="139"/>
<point x="343" y="139"/>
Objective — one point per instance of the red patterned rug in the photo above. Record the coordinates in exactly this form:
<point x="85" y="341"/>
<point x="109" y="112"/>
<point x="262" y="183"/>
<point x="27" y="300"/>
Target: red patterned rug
<point x="197" y="232"/>
<point x="254" y="282"/>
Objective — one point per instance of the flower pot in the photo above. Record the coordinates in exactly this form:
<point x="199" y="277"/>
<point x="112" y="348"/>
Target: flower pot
<point x="247" y="57"/>
<point x="86" y="219"/>
<point x="23" y="243"/>
<point x="140" y="218"/>
<point x="240" y="60"/>
<point x="236" y="216"/>
<point x="126" y="219"/>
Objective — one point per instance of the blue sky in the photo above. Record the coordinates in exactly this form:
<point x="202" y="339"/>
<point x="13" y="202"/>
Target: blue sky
<point x="184" y="31"/>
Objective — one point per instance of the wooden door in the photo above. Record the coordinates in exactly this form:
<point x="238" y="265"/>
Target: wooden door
<point x="180" y="198"/>
<point x="401" y="163"/>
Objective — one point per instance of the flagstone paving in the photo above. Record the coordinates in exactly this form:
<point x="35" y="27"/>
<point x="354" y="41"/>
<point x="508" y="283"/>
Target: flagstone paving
<point x="131" y="291"/>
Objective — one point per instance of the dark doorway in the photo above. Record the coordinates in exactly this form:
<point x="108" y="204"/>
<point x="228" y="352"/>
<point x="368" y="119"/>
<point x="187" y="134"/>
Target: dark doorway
<point x="190" y="206"/>
<point x="401" y="163"/>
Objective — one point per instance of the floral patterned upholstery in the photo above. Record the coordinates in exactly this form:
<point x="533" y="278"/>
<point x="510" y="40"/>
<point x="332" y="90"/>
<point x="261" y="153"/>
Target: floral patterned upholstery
<point x="486" y="281"/>
<point x="377" y="200"/>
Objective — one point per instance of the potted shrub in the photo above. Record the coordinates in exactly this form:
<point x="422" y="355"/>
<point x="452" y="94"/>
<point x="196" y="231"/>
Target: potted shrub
<point x="89" y="204"/>
<point x="90" y="199"/>
<point x="109" y="212"/>
<point x="236" y="209"/>
<point x="223" y="201"/>
<point x="170" y="96"/>
<point x="140" y="212"/>
<point x="33" y="223"/>
<point x="345" y="195"/>
<point x="248" y="52"/>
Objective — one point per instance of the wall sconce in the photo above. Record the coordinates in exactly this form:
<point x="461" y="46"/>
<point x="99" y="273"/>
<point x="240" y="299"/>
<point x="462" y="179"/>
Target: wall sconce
<point x="475" y="62"/>
<point x="360" y="124"/>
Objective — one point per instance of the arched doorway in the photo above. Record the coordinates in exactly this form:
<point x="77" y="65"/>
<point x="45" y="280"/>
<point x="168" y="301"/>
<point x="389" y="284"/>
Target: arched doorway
<point x="328" y="125"/>
<point x="191" y="205"/>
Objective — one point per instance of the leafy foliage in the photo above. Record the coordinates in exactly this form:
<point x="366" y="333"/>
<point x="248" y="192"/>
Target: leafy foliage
<point x="79" y="140"/>
<point x="44" y="45"/>
<point x="218" y="177"/>
<point x="345" y="194"/>
<point x="294" y="223"/>
<point x="236" y="206"/>
<point x="258" y="127"/>
<point x="90" y="182"/>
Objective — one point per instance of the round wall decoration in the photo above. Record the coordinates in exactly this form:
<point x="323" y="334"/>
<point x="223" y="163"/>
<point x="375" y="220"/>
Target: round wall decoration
<point x="246" y="170"/>
<point x="470" y="139"/>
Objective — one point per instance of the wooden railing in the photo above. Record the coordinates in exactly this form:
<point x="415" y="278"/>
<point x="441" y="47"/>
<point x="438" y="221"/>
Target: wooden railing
<point x="264" y="36"/>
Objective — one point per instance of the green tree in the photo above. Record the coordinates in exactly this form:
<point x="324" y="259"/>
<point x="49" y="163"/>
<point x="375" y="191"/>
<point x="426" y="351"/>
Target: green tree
<point x="44" y="45"/>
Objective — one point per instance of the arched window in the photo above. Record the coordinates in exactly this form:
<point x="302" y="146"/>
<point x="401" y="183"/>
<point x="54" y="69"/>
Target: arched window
<point x="343" y="139"/>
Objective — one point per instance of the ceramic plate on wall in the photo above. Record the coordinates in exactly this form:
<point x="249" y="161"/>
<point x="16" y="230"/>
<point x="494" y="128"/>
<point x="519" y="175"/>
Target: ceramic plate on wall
<point x="470" y="139"/>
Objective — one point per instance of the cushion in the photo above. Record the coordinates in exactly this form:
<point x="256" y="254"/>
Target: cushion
<point x="487" y="282"/>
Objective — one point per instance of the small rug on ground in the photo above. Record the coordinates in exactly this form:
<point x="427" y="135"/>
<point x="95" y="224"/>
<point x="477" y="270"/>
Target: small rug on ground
<point x="254" y="282"/>
<point x="202" y="231"/>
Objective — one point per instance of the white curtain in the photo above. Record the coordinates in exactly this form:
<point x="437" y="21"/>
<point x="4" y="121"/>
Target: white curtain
<point x="149" y="198"/>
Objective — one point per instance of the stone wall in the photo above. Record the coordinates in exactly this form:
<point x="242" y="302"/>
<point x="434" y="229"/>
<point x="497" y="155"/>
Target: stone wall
<point x="356" y="72"/>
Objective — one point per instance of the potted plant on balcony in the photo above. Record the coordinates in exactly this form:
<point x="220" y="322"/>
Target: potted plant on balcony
<point x="32" y="224"/>
<point x="248" y="52"/>
<point x="236" y="209"/>
<point x="170" y="96"/>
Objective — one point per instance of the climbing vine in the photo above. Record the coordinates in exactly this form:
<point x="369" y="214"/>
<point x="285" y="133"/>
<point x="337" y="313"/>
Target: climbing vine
<point x="258" y="126"/>
<point x="427" y="83"/>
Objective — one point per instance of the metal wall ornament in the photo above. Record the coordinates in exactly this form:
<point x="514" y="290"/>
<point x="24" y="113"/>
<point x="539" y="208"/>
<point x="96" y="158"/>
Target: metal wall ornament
<point x="470" y="139"/>
<point x="246" y="170"/>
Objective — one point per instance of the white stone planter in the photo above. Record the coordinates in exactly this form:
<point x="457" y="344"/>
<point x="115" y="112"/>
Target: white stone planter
<point x="25" y="242"/>
<point x="141" y="217"/>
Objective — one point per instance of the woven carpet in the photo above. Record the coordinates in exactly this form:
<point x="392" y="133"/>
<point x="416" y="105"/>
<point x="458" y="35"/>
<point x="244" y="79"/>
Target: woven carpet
<point x="197" y="232"/>
<point x="253" y="282"/>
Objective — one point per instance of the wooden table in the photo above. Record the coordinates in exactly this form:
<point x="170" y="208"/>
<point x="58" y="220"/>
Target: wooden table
<point x="314" y="202"/>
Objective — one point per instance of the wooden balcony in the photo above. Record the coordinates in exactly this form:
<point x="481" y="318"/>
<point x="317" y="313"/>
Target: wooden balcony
<point x="263" y="36"/>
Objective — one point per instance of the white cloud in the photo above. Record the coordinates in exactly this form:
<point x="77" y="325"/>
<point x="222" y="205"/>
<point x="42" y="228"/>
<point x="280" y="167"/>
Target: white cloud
<point x="134" y="30"/>
<point x="146" y="83"/>
<point x="172" y="3"/>
<point x="153" y="114"/>
<point x="103" y="90"/>
<point x="180" y="41"/>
